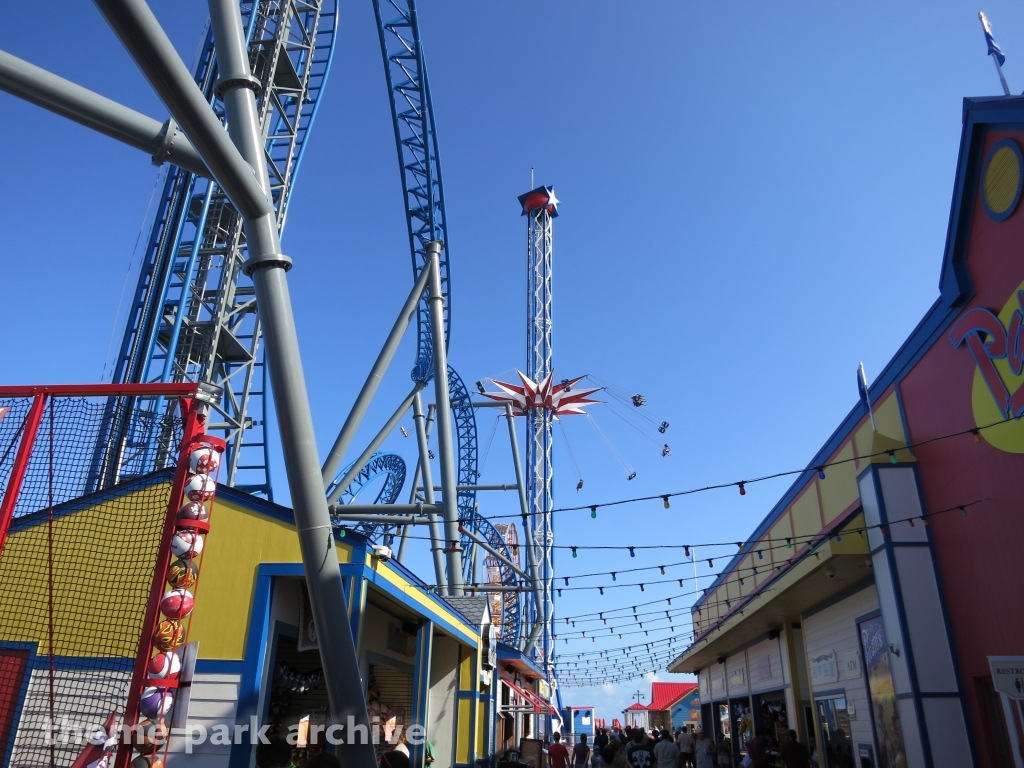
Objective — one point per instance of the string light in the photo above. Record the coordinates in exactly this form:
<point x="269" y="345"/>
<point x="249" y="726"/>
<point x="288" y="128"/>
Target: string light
<point x="743" y="490"/>
<point x="717" y="486"/>
<point x="892" y="456"/>
<point x="977" y="434"/>
<point x="662" y="567"/>
<point x="665" y="499"/>
<point x="632" y="552"/>
<point x="821" y="473"/>
<point x="574" y="551"/>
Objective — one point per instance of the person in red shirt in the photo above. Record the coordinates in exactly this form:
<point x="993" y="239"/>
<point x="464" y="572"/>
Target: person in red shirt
<point x="794" y="754"/>
<point x="558" y="753"/>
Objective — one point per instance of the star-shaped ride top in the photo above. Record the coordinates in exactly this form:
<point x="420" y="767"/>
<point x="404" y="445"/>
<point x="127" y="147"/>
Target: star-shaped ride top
<point x="541" y="197"/>
<point x="561" y="399"/>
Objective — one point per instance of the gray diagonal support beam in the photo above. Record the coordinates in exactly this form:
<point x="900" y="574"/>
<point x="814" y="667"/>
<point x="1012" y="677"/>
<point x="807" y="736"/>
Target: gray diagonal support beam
<point x="161" y="141"/>
<point x="380" y="366"/>
<point x="376" y="443"/>
<point x="147" y="43"/>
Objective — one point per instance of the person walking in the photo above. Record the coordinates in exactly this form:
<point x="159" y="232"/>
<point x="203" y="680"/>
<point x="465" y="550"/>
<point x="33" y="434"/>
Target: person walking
<point x="684" y="741"/>
<point x="704" y="751"/>
<point x="600" y="742"/>
<point x="581" y="753"/>
<point x="639" y="753"/>
<point x="666" y="752"/>
<point x="757" y="749"/>
<point x="558" y="753"/>
<point x="794" y="754"/>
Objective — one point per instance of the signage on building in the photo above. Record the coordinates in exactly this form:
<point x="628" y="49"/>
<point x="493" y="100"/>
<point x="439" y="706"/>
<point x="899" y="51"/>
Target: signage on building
<point x="761" y="669"/>
<point x="737" y="677"/>
<point x="544" y="689"/>
<point x="995" y="343"/>
<point x="849" y="664"/>
<point x="718" y="686"/>
<point x="1008" y="675"/>
<point x="824" y="668"/>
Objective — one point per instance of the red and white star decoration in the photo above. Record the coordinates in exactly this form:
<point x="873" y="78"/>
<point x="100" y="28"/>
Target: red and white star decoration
<point x="561" y="399"/>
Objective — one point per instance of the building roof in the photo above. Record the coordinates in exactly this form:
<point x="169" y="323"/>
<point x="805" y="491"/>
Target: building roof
<point x="474" y="608"/>
<point x="664" y="695"/>
<point x="636" y="705"/>
<point x="519" y="661"/>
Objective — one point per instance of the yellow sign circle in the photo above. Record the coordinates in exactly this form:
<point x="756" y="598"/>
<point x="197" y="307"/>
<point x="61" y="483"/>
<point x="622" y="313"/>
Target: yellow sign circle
<point x="1001" y="184"/>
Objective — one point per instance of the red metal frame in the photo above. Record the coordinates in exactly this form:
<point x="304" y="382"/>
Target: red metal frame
<point x="193" y="427"/>
<point x="99" y="390"/>
<point x="28" y="440"/>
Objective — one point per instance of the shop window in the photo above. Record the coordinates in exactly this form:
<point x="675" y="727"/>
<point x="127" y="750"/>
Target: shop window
<point x="835" y="739"/>
<point x="996" y="733"/>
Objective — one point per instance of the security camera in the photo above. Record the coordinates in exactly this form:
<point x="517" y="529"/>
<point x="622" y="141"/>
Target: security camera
<point x="830" y="572"/>
<point x="382" y="552"/>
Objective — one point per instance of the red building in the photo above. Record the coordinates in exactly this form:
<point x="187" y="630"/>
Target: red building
<point x="877" y="608"/>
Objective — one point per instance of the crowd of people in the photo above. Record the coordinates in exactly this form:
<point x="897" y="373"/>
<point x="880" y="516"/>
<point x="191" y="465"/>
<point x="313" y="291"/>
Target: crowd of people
<point x="636" y="748"/>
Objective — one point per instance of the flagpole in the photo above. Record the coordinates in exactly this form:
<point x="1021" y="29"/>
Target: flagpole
<point x="1002" y="80"/>
<point x="994" y="51"/>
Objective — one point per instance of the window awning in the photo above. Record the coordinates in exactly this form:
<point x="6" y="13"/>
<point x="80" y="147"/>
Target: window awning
<point x="539" y="705"/>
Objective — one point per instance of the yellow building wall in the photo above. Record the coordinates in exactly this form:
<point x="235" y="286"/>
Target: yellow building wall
<point x="239" y="540"/>
<point x="103" y="560"/>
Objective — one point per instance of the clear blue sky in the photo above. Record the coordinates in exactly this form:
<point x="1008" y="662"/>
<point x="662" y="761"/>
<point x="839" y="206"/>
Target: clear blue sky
<point x="755" y="197"/>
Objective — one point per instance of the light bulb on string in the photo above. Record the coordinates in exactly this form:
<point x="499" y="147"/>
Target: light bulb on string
<point x="789" y="543"/>
<point x="743" y="490"/>
<point x="632" y="552"/>
<point x="686" y="551"/>
<point x="977" y="434"/>
<point x="613" y="576"/>
<point x="665" y="499"/>
<point x="821" y="473"/>
<point x="593" y="511"/>
<point x="711" y="563"/>
<point x="573" y="551"/>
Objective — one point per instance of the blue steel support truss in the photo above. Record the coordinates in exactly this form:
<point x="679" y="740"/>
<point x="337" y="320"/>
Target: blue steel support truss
<point x="416" y="141"/>
<point x="193" y="315"/>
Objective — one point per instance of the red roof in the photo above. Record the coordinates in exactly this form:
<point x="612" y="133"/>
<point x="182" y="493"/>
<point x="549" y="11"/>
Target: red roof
<point x="664" y="695"/>
<point x="634" y="706"/>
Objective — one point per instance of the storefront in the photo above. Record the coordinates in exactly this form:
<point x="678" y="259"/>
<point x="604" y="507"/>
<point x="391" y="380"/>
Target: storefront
<point x="522" y="711"/>
<point x="871" y="603"/>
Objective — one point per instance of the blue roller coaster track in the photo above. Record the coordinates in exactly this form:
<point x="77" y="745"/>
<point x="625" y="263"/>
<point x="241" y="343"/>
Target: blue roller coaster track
<point x="416" y="140"/>
<point x="193" y="314"/>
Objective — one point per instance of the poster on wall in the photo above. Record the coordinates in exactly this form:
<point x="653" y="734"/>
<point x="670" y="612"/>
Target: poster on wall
<point x="888" y="730"/>
<point x="824" y="668"/>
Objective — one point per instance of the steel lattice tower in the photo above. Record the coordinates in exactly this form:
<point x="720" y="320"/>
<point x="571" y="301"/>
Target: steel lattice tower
<point x="193" y="315"/>
<point x="540" y="208"/>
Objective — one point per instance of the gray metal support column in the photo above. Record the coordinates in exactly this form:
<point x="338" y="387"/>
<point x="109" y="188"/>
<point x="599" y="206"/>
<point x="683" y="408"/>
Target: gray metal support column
<point x="445" y="441"/>
<point x="436" y="544"/>
<point x="524" y="509"/>
<point x="302" y="465"/>
<point x="161" y="141"/>
<point x="380" y="366"/>
<point x="141" y="34"/>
